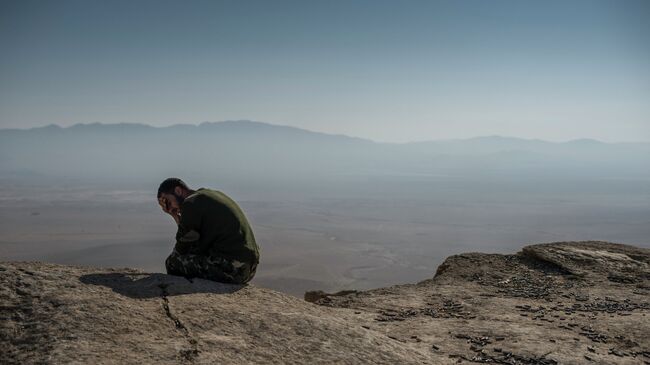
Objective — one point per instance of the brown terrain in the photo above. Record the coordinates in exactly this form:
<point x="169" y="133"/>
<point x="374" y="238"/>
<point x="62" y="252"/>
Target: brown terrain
<point x="557" y="303"/>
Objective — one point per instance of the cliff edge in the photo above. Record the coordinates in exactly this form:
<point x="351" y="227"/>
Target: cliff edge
<point x="557" y="303"/>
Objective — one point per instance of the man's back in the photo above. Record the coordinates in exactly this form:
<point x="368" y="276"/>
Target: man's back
<point x="212" y="224"/>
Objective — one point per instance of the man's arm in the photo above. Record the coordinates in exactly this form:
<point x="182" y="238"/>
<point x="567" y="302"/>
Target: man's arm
<point x="198" y="230"/>
<point x="188" y="236"/>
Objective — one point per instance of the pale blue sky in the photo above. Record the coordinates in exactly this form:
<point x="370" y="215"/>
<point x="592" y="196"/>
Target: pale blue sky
<point x="385" y="70"/>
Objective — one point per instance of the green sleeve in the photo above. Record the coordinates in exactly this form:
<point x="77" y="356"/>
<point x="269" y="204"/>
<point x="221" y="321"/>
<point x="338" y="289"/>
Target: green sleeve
<point x="188" y="235"/>
<point x="198" y="229"/>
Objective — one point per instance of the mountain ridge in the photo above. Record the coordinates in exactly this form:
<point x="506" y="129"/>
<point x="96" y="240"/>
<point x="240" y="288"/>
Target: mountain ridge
<point x="263" y="125"/>
<point x="255" y="151"/>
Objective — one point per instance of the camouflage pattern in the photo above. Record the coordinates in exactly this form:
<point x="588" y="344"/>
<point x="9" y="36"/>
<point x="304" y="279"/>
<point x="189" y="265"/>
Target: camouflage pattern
<point x="211" y="268"/>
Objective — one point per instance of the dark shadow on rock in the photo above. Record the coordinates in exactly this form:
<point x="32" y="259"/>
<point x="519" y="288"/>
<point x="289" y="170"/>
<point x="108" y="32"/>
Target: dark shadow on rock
<point x="147" y="285"/>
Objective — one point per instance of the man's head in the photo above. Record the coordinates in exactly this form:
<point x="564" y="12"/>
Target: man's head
<point x="171" y="194"/>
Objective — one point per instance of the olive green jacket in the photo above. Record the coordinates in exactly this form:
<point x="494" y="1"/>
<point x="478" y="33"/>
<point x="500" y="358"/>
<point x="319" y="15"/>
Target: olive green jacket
<point x="212" y="224"/>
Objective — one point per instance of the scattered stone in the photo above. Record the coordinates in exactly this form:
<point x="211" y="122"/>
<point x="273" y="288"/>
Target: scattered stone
<point x="390" y="315"/>
<point x="616" y="352"/>
<point x="582" y="298"/>
<point x="591" y="334"/>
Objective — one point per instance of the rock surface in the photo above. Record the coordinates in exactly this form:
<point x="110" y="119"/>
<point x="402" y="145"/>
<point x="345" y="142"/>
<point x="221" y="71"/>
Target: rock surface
<point x="559" y="303"/>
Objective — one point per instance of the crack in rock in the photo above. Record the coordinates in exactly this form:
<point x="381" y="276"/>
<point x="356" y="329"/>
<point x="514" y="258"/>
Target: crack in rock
<point x="188" y="354"/>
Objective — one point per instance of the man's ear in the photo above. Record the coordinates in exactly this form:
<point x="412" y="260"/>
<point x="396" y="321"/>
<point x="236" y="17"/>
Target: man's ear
<point x="178" y="191"/>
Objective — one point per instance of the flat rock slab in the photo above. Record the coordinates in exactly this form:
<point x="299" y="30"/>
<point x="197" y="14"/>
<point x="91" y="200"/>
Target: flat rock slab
<point x="62" y="314"/>
<point x="559" y="303"/>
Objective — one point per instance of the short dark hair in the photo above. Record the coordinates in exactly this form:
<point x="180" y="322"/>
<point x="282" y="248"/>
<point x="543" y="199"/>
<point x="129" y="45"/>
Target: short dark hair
<point x="168" y="186"/>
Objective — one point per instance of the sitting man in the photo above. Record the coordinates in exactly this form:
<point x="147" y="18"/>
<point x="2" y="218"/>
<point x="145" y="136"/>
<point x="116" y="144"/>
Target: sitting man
<point x="214" y="240"/>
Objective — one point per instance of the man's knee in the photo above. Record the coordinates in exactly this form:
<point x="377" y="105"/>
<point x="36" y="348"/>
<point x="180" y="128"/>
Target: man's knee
<point x="241" y="272"/>
<point x="175" y="264"/>
<point x="227" y="270"/>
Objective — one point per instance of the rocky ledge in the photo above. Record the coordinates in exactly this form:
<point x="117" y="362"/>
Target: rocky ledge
<point x="557" y="303"/>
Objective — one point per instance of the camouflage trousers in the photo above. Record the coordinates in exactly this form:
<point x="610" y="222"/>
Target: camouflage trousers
<point x="209" y="267"/>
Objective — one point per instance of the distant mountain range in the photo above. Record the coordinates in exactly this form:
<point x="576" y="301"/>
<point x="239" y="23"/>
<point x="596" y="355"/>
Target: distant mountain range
<point x="247" y="126"/>
<point x="259" y="150"/>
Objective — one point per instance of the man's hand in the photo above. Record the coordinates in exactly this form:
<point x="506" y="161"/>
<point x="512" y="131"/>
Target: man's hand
<point x="166" y="206"/>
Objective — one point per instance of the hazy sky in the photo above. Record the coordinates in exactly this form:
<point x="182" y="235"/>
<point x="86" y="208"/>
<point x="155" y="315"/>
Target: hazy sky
<point x="385" y="70"/>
